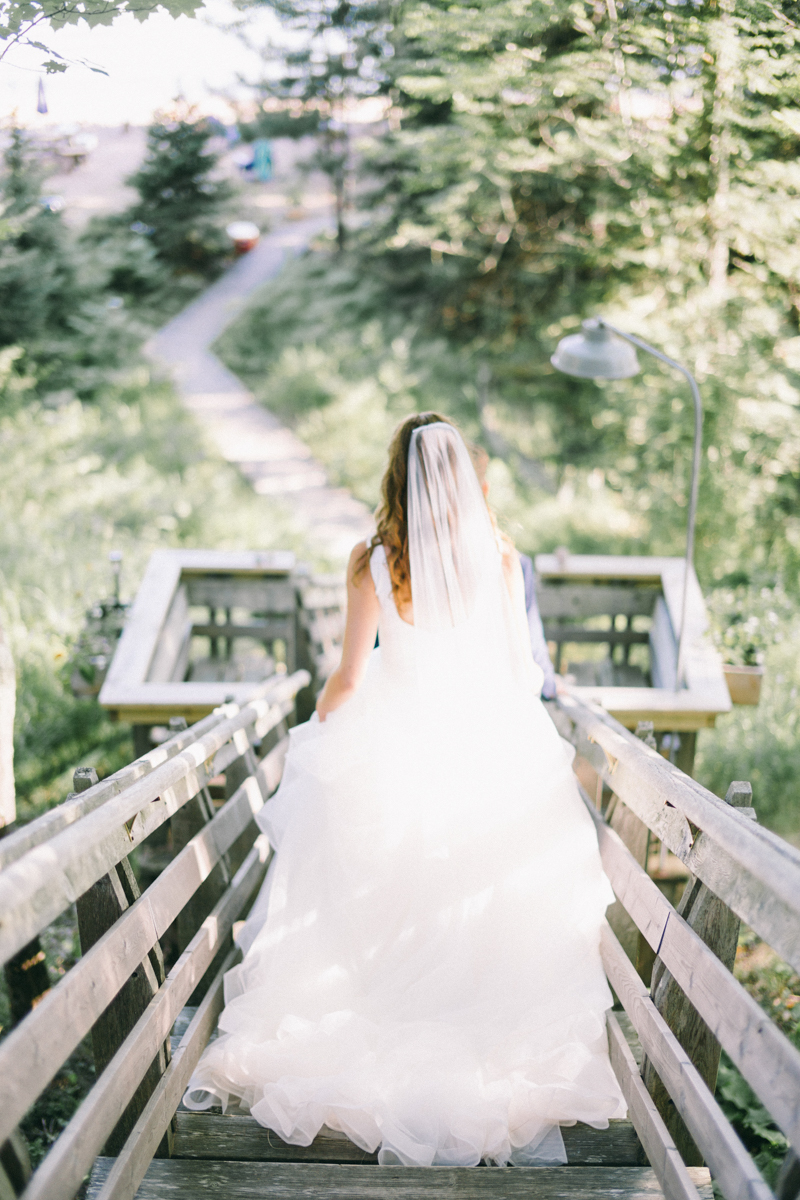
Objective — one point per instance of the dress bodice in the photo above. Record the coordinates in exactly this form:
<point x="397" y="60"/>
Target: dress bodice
<point x="395" y="636"/>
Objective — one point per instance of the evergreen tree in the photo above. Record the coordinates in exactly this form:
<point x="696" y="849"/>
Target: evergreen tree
<point x="340" y="60"/>
<point x="38" y="277"/>
<point x="53" y="291"/>
<point x="553" y="160"/>
<point x="181" y="200"/>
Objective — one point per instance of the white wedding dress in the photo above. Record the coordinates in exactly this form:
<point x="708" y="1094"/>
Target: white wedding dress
<point x="423" y="971"/>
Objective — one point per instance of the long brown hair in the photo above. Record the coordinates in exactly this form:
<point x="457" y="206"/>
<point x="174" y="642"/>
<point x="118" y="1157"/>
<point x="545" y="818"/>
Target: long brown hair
<point x="392" y="516"/>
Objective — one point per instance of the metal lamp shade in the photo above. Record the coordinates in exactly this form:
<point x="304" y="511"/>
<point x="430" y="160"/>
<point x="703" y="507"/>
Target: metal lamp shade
<point x="595" y="354"/>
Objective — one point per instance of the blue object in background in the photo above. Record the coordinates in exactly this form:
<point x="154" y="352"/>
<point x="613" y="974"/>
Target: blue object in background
<point x="262" y="160"/>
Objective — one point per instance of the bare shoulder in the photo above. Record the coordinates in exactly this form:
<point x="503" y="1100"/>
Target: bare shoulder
<point x="358" y="571"/>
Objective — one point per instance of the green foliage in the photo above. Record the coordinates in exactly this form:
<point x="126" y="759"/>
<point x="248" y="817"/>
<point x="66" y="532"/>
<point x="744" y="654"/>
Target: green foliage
<point x="776" y="987"/>
<point x="54" y="297"/>
<point x="548" y="162"/>
<point x="19" y="19"/>
<point x="52" y="1111"/>
<point x="323" y="351"/>
<point x="129" y="472"/>
<point x="279" y="123"/>
<point x="760" y="744"/>
<point x="181" y="199"/>
<point x="338" y="60"/>
<point x="751" y="1120"/>
<point x="543" y="162"/>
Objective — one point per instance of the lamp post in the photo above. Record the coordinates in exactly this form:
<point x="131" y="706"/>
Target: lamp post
<point x="602" y="351"/>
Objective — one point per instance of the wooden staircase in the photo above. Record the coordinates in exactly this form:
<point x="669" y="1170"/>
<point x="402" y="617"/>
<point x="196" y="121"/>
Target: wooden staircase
<point x="149" y="1020"/>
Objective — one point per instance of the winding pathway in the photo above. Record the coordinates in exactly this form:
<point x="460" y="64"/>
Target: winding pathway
<point x="275" y="461"/>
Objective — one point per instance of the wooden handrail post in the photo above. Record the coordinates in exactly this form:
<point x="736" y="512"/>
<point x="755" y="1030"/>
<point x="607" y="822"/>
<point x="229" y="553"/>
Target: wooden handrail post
<point x="636" y="836"/>
<point x="98" y="909"/>
<point x="186" y="822"/>
<point x="718" y="927"/>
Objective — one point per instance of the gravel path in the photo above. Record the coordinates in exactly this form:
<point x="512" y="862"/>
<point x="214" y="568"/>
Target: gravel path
<point x="245" y="433"/>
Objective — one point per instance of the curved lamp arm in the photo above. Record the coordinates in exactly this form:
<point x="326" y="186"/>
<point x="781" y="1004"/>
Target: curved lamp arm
<point x="698" y="442"/>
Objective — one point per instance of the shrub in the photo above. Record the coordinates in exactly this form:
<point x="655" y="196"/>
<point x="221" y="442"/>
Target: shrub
<point x="181" y="201"/>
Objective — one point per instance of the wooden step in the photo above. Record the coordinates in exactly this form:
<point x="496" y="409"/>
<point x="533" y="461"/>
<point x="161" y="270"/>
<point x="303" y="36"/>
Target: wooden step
<point x="237" y="1137"/>
<point x="192" y="1179"/>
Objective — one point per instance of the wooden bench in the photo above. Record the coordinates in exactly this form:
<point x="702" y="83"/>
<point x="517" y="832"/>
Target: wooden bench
<point x="149" y="1020"/>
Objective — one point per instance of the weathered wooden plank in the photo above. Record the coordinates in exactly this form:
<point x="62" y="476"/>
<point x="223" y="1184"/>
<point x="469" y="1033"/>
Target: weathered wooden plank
<point x="605" y="568"/>
<point x="593" y="600"/>
<point x="238" y="1137"/>
<point x="765" y="1057"/>
<point x="130" y="1167"/>
<point x="31" y="1054"/>
<point x="752" y="870"/>
<point x="154" y="703"/>
<point x="265" y="631"/>
<point x="670" y="711"/>
<point x="322" y="597"/>
<point x="171" y="638"/>
<point x="258" y="593"/>
<point x="72" y="1155"/>
<point x="601" y="567"/>
<point x="164" y="572"/>
<point x="192" y="1180"/>
<point x="189" y="821"/>
<point x="730" y="1163"/>
<point x="40" y="885"/>
<point x="43" y="828"/>
<point x="718" y="928"/>
<point x="663" y="649"/>
<point x="98" y="911"/>
<point x="137" y="644"/>
<point x="661" y="1151"/>
<point x="635" y="835"/>
<point x="579" y="634"/>
<point x="235" y="562"/>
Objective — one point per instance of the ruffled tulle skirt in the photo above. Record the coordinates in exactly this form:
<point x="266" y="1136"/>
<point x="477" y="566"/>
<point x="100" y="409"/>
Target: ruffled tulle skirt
<point x="422" y="967"/>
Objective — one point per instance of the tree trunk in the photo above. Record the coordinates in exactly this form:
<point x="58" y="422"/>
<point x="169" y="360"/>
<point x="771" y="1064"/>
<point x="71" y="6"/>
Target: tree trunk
<point x="725" y="50"/>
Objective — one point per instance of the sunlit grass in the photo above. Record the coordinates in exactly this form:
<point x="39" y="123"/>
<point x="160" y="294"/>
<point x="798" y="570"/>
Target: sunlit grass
<point x="128" y="472"/>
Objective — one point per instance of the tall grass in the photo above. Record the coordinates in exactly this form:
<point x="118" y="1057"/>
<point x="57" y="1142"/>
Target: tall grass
<point x="127" y="471"/>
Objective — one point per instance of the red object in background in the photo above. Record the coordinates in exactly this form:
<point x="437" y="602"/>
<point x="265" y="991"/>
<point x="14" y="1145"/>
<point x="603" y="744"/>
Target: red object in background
<point x="244" y="235"/>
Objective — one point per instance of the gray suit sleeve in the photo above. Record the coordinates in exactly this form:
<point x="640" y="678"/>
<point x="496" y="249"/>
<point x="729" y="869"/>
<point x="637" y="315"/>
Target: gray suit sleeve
<point x="538" y="643"/>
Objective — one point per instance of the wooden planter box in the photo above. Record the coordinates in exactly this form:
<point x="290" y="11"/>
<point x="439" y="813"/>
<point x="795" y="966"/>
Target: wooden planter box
<point x="177" y="653"/>
<point x="211" y="625"/>
<point x="744" y="683"/>
<point x="613" y="623"/>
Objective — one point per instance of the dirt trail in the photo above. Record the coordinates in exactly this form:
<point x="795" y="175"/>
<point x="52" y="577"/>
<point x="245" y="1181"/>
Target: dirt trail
<point x="271" y="456"/>
<point x="245" y="433"/>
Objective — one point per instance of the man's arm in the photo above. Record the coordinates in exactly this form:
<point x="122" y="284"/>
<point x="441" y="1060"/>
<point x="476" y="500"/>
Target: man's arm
<point x="541" y="655"/>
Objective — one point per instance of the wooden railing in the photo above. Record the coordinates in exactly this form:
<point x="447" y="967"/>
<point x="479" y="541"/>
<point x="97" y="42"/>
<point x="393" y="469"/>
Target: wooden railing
<point x="119" y="990"/>
<point x="122" y="992"/>
<point x="739" y="871"/>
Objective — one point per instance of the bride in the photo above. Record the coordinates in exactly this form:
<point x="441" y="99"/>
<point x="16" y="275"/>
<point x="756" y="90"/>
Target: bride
<point x="422" y="968"/>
